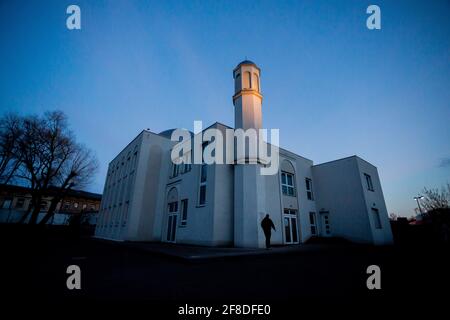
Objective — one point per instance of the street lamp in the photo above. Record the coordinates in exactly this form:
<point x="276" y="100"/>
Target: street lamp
<point x="418" y="203"/>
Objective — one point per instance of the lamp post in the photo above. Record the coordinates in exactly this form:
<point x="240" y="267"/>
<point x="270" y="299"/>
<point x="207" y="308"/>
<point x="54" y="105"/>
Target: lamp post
<point x="418" y="202"/>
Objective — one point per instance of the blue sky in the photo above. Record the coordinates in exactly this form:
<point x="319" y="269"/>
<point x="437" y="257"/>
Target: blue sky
<point x="333" y="87"/>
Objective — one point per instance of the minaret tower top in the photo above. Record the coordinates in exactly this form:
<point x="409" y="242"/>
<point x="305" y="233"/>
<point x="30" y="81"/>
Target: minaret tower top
<point x="247" y="98"/>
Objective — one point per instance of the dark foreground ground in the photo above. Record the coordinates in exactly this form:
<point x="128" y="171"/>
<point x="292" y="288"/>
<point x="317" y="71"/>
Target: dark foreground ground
<point x="34" y="270"/>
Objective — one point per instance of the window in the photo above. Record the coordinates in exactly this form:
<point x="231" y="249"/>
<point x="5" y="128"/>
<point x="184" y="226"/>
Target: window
<point x="173" y="207"/>
<point x="125" y="214"/>
<point x="287" y="184"/>
<point x="256" y="82"/>
<point x="237" y="83"/>
<point x="202" y="186"/>
<point x="7" y="203"/>
<point x="113" y="217"/>
<point x="175" y="170"/>
<point x="312" y="222"/>
<point x="84" y="206"/>
<point x="203" y="179"/>
<point x="202" y="196"/>
<point x="369" y="182"/>
<point x="179" y="169"/>
<point x="66" y="206"/>
<point x="376" y="218"/>
<point x="20" y="202"/>
<point x="43" y="205"/>
<point x="134" y="160"/>
<point x="290" y="211"/>
<point x="117" y="220"/>
<point x="204" y="172"/>
<point x="184" y="212"/>
<point x="247" y="80"/>
<point x="309" y="190"/>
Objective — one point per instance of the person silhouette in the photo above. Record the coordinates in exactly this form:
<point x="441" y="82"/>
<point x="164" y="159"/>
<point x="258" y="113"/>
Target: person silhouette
<point x="267" y="226"/>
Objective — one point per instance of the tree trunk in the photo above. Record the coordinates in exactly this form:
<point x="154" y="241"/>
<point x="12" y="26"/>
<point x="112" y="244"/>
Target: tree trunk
<point x="36" y="210"/>
<point x="24" y="217"/>
<point x="51" y="211"/>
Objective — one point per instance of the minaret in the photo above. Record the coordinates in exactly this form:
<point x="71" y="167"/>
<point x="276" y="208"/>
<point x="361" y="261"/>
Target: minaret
<point x="249" y="184"/>
<point x="247" y="97"/>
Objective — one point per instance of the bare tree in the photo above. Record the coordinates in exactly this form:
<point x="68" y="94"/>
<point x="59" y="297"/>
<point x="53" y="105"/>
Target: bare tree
<point x="436" y="199"/>
<point x="10" y="132"/>
<point x="51" y="158"/>
<point x="393" y="216"/>
<point x="77" y="171"/>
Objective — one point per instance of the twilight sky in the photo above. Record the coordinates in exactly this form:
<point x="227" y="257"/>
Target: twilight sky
<point x="333" y="87"/>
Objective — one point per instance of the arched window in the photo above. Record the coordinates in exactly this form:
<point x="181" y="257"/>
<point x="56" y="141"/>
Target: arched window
<point x="247" y="80"/>
<point x="172" y="200"/>
<point x="237" y="83"/>
<point x="256" y="82"/>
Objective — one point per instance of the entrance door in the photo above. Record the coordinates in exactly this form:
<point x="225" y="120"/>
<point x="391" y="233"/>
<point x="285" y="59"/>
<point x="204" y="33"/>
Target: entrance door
<point x="326" y="228"/>
<point x="290" y="226"/>
<point x="172" y="220"/>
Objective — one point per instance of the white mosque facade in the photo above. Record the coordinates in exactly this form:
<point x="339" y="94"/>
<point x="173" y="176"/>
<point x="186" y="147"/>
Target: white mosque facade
<point x="148" y="198"/>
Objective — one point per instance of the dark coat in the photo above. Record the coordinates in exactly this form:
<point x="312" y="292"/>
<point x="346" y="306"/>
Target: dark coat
<point x="267" y="225"/>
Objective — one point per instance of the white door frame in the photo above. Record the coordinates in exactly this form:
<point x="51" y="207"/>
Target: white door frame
<point x="324" y="222"/>
<point x="172" y="225"/>
<point x="170" y="217"/>
<point x="291" y="229"/>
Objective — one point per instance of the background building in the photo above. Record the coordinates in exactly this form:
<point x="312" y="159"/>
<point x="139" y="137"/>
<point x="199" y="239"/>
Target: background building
<point x="15" y="201"/>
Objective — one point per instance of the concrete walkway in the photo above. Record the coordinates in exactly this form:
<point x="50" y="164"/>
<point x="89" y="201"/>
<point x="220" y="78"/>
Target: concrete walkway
<point x="198" y="253"/>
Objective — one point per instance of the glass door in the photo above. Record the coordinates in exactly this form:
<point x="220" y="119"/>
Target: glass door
<point x="290" y="226"/>
<point x="172" y="219"/>
<point x="326" y="228"/>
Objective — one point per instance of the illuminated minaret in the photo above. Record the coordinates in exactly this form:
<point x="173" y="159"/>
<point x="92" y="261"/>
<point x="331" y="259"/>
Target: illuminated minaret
<point x="247" y="97"/>
<point x="249" y="184"/>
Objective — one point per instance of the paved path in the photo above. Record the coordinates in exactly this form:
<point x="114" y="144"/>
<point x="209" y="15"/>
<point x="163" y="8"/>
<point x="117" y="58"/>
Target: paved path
<point x="194" y="253"/>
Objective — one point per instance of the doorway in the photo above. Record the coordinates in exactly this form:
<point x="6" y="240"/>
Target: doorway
<point x="290" y="226"/>
<point x="172" y="219"/>
<point x="326" y="227"/>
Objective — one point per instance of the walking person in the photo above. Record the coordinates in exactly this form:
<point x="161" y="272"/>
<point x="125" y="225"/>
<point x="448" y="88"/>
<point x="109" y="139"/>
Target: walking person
<point x="267" y="226"/>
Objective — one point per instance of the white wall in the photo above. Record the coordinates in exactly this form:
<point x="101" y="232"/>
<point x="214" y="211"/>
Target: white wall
<point x="339" y="191"/>
<point x="223" y="211"/>
<point x="199" y="228"/>
<point x="235" y="208"/>
<point x="136" y="186"/>
<point x="375" y="199"/>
